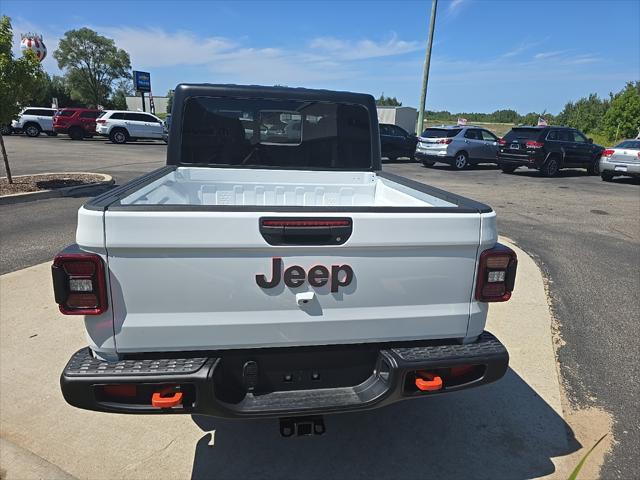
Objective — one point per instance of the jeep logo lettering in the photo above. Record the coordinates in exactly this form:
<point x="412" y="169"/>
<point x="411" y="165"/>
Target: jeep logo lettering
<point x="295" y="276"/>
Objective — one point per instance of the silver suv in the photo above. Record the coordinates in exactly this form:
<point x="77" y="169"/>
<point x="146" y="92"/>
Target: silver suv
<point x="459" y="146"/>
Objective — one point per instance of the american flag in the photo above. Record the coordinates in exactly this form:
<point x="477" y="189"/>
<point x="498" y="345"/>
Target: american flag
<point x="462" y="121"/>
<point x="542" y="122"/>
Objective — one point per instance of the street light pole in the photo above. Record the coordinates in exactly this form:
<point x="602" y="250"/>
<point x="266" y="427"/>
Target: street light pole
<point x="425" y="72"/>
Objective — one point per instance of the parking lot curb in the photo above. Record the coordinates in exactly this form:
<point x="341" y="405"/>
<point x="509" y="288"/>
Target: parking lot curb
<point x="59" y="192"/>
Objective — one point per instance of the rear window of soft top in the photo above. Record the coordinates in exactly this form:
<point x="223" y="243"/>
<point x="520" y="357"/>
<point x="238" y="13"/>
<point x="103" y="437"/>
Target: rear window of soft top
<point x="269" y="132"/>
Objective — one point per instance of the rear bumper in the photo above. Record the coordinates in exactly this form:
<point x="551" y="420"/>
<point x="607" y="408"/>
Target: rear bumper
<point x="620" y="168"/>
<point x="206" y="385"/>
<point x="441" y="156"/>
<point x="520" y="160"/>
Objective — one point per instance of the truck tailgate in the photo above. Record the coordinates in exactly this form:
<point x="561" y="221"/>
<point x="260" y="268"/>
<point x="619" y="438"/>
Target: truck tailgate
<point x="186" y="280"/>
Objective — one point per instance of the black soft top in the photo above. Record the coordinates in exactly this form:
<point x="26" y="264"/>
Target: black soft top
<point x="185" y="91"/>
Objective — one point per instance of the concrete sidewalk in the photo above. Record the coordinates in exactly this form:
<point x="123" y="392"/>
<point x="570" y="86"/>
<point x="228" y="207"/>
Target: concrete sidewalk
<point x="511" y="429"/>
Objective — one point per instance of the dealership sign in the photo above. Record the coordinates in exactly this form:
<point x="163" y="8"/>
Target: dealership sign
<point x="142" y="81"/>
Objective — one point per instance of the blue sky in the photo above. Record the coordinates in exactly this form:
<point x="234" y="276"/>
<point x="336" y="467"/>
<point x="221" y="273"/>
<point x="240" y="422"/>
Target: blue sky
<point x="488" y="54"/>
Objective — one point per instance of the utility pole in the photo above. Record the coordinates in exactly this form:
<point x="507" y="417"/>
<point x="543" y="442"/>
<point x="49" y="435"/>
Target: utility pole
<point x="425" y="72"/>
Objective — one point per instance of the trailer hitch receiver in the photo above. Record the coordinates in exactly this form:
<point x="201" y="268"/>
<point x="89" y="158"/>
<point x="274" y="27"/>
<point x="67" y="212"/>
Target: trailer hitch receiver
<point x="302" y="426"/>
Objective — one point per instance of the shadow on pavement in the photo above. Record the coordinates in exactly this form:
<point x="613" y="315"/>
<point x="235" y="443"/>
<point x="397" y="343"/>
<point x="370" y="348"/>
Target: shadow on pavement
<point x="470" y="168"/>
<point x="504" y="430"/>
<point x="626" y="180"/>
<point x="561" y="174"/>
<point x="138" y="142"/>
<point x="388" y="161"/>
<point x="90" y="191"/>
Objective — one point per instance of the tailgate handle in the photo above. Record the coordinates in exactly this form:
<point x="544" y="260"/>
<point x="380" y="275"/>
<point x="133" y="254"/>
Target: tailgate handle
<point x="306" y="231"/>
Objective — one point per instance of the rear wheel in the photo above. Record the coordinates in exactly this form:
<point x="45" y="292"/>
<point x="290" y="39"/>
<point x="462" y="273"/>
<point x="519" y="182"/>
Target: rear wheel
<point x="76" y="133"/>
<point x="119" y="136"/>
<point x="32" y="130"/>
<point x="606" y="176"/>
<point x="594" y="167"/>
<point x="551" y="167"/>
<point x="508" y="169"/>
<point x="461" y="161"/>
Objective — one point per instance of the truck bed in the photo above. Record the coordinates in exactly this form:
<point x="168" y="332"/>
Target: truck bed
<point x="184" y="245"/>
<point x="244" y="187"/>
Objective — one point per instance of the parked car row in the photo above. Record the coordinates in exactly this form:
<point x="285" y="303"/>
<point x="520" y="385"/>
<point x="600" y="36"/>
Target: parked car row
<point x="120" y="126"/>
<point x="547" y="149"/>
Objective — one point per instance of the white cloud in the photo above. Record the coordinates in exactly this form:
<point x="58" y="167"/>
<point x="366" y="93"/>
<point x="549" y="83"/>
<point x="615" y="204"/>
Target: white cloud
<point x="586" y="58"/>
<point x="324" y="59"/>
<point x="543" y="55"/>
<point x="153" y="47"/>
<point x="363" y="49"/>
<point x="455" y="7"/>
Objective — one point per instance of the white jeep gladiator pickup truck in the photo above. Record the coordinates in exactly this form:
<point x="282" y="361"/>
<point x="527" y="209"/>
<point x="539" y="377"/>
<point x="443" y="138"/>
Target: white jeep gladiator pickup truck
<point x="272" y="269"/>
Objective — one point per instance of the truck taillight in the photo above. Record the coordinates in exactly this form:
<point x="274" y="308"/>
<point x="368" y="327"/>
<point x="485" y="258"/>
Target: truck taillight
<point x="502" y="141"/>
<point x="79" y="283"/>
<point x="496" y="274"/>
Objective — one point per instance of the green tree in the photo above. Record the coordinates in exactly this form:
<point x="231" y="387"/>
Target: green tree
<point x="585" y="114"/>
<point x="169" y="100"/>
<point x="622" y="119"/>
<point x="388" y="101"/>
<point x="118" y="100"/>
<point x="19" y="78"/>
<point x="504" y="116"/>
<point x="51" y="87"/>
<point x="93" y="64"/>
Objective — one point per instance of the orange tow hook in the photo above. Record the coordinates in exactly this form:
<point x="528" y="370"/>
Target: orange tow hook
<point x="428" y="382"/>
<point x="166" y="398"/>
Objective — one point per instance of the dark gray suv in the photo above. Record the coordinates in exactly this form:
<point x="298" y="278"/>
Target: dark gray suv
<point x="458" y="146"/>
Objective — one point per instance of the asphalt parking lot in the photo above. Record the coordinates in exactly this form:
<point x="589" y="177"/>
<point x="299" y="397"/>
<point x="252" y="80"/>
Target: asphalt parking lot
<point x="584" y="233"/>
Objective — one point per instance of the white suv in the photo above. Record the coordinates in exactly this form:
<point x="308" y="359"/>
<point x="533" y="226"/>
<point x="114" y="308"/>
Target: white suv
<point x="33" y="120"/>
<point x="121" y="125"/>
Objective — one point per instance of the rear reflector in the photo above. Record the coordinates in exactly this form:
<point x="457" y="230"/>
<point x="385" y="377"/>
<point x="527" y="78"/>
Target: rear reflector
<point x="120" y="390"/>
<point x="79" y="283"/>
<point x="496" y="274"/>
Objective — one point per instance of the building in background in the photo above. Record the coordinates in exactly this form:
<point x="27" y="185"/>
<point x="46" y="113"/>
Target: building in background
<point x="404" y="117"/>
<point x="135" y="103"/>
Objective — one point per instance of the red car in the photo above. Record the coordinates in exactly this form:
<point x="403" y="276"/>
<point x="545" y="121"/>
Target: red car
<point x="78" y="123"/>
